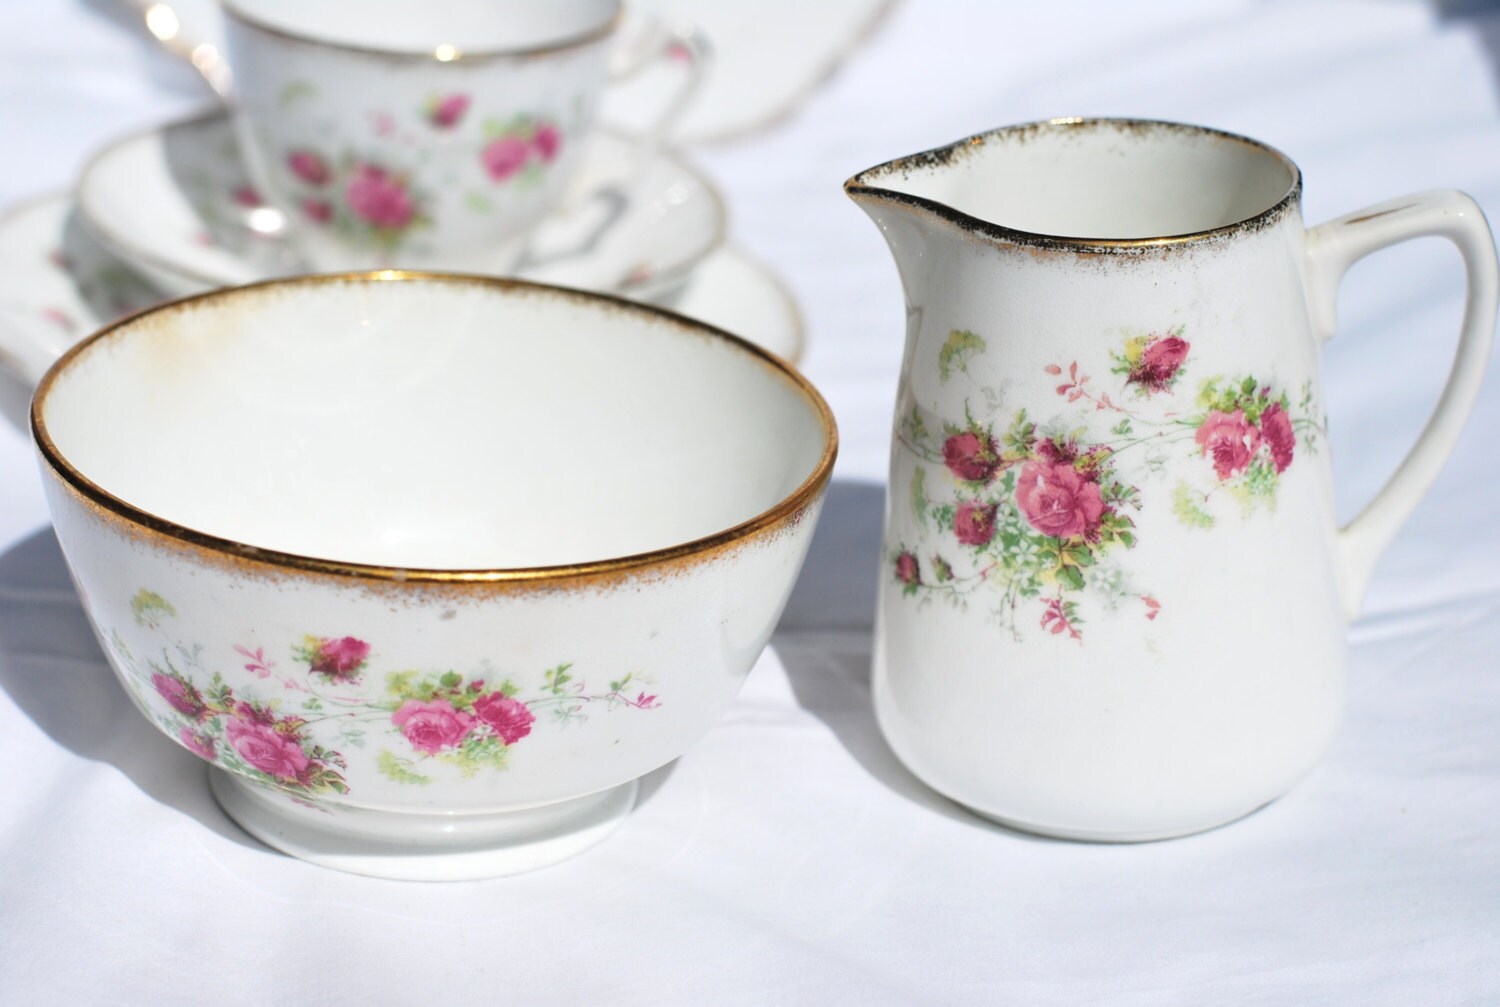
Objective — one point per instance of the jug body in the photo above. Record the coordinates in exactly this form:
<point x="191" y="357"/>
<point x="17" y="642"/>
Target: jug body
<point x="1113" y="596"/>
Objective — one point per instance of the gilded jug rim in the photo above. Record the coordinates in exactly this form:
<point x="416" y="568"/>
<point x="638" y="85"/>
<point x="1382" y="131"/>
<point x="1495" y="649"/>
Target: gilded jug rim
<point x="866" y="184"/>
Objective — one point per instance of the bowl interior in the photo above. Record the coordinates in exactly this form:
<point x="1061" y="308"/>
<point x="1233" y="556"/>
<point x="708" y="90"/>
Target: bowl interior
<point x="433" y="423"/>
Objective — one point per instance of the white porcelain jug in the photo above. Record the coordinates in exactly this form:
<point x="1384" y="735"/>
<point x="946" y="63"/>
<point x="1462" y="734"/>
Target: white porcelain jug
<point x="1114" y="596"/>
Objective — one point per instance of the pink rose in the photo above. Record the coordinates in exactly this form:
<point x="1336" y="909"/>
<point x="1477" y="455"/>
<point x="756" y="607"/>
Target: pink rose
<point x="1159" y="363"/>
<point x="508" y="718"/>
<point x="1276" y="430"/>
<point x="974" y="523"/>
<point x="266" y="748"/>
<point x="432" y="726"/>
<point x="971" y="457"/>
<point x="248" y="196"/>
<point x="309" y="167"/>
<point x="907" y="571"/>
<point x="446" y="112"/>
<point x="547" y="141"/>
<point x="1230" y="440"/>
<point x="339" y="659"/>
<point x="185" y="699"/>
<point x="504" y="157"/>
<point x="379" y="199"/>
<point x="1058" y="500"/>
<point x="200" y="745"/>
<point x="320" y="211"/>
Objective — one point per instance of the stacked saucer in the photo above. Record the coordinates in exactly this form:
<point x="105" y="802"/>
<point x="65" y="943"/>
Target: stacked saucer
<point x="170" y="211"/>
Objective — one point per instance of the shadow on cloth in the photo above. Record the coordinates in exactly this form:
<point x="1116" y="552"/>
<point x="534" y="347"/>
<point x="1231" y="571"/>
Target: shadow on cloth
<point x="52" y="667"/>
<point x="826" y="639"/>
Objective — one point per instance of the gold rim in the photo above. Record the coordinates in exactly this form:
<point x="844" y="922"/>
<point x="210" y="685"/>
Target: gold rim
<point x="125" y="248"/>
<point x="587" y="37"/>
<point x="787" y="509"/>
<point x="866" y="184"/>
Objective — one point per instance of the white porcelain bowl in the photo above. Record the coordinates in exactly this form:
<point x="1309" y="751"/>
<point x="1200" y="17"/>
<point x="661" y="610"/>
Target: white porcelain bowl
<point x="431" y="569"/>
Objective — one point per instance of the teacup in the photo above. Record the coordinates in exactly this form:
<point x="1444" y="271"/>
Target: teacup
<point x="430" y="569"/>
<point x="425" y="135"/>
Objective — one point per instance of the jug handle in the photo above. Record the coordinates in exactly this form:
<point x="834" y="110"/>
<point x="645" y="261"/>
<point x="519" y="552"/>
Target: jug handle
<point x="1331" y="249"/>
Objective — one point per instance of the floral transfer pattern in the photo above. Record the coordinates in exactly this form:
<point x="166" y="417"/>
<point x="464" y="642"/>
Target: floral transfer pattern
<point x="292" y="734"/>
<point x="372" y="203"/>
<point x="1036" y="517"/>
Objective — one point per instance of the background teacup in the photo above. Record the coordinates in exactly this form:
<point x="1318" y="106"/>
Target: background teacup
<point x="431" y="135"/>
<point x="416" y="633"/>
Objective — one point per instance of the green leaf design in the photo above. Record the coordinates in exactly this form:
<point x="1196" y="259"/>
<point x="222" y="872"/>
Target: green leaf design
<point x="919" y="494"/>
<point x="1079" y="555"/>
<point x="960" y="346"/>
<point x="478" y="202"/>
<point x="149" y="608"/>
<point x="296" y="91"/>
<point x="916" y="429"/>
<point x="1188" y="511"/>
<point x="556" y="678"/>
<point x="1071" y="576"/>
<point x="396" y="768"/>
<point x="399" y="684"/>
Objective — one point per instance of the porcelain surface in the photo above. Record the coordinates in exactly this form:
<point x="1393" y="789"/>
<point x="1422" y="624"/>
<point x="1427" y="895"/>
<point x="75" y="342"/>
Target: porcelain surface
<point x="178" y="204"/>
<point x="388" y="603"/>
<point x="59" y="283"/>
<point x="1115" y="596"/>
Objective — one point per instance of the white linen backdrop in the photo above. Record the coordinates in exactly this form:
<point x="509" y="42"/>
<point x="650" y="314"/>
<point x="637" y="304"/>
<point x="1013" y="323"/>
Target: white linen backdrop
<point x="788" y="858"/>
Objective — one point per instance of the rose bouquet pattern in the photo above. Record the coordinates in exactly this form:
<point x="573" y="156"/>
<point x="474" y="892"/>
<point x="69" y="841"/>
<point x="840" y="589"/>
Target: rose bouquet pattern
<point x="519" y="150"/>
<point x="247" y="736"/>
<point x="293" y="734"/>
<point x="358" y="198"/>
<point x="1247" y="432"/>
<point x="1032" y="515"/>
<point x="374" y="204"/>
<point x="1038" y="516"/>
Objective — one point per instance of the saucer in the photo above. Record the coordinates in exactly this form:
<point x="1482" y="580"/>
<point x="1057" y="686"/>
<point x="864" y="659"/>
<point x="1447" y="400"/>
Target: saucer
<point x="176" y="203"/>
<point x="58" y="283"/>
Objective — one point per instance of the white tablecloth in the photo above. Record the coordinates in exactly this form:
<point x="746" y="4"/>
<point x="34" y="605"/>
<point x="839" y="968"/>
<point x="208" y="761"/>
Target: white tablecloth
<point x="789" y="858"/>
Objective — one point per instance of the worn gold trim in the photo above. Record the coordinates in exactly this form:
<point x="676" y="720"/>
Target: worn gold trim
<point x="865" y="185"/>
<point x="460" y="56"/>
<point x="789" y="509"/>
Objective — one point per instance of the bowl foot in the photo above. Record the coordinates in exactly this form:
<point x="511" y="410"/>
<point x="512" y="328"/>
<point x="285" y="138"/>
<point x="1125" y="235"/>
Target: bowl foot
<point x="423" y="847"/>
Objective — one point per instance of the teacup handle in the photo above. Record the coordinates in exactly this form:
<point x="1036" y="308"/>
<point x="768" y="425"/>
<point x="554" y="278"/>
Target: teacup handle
<point x="647" y="40"/>
<point x="1331" y="249"/>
